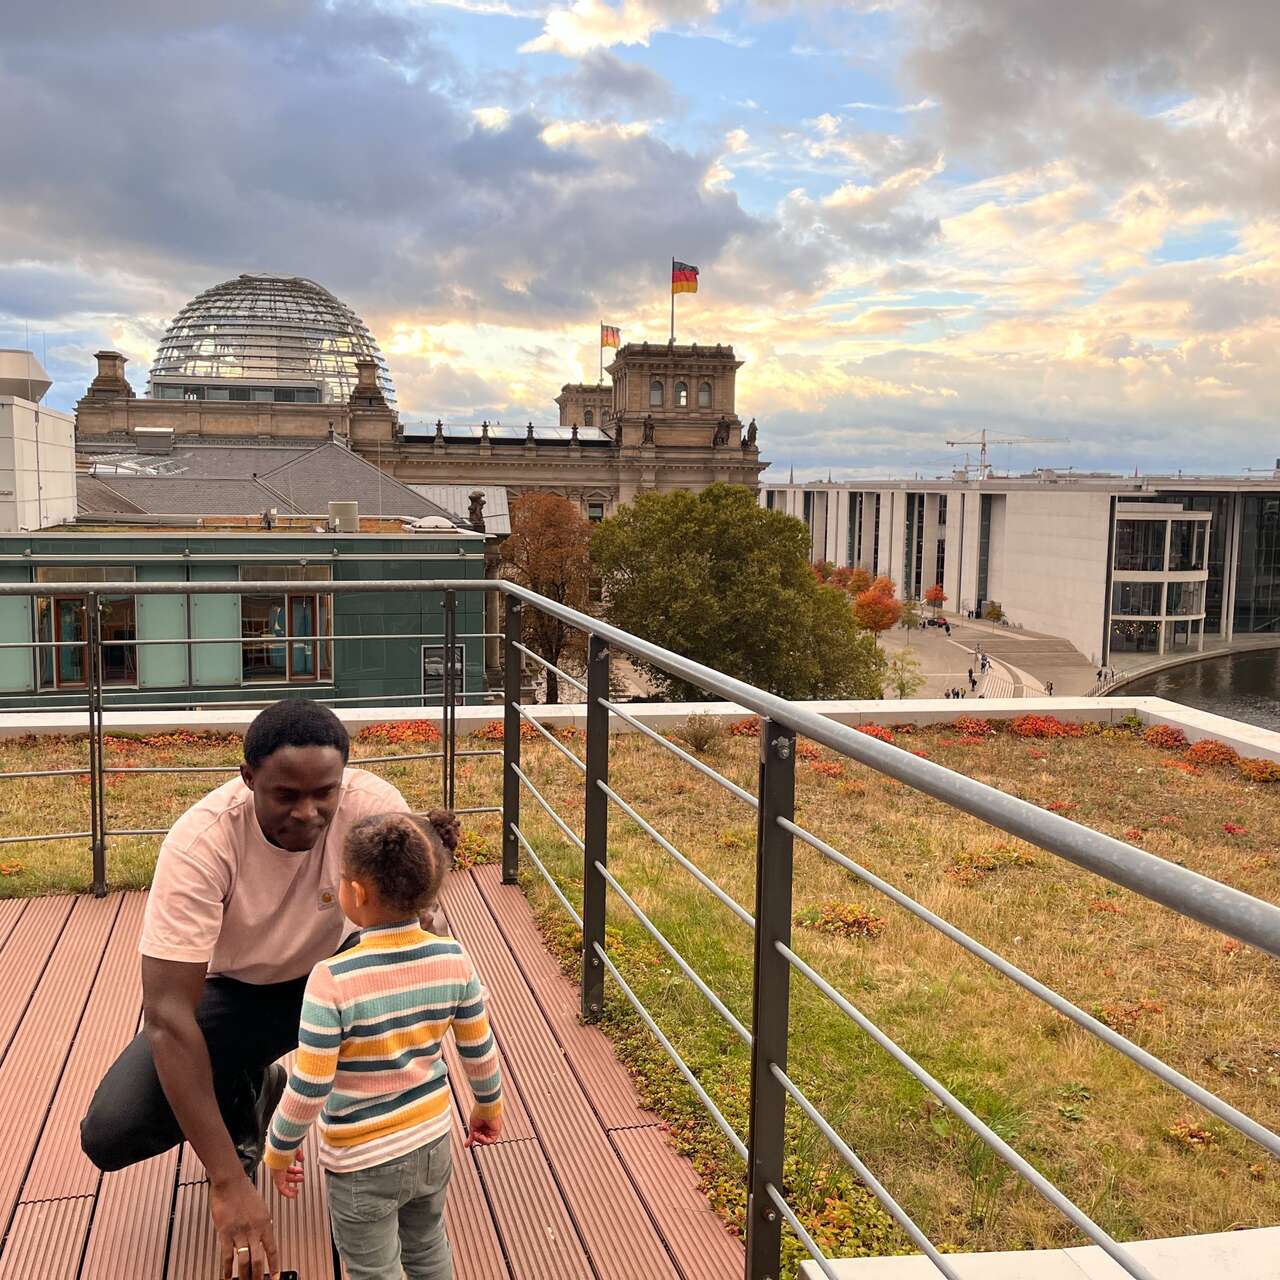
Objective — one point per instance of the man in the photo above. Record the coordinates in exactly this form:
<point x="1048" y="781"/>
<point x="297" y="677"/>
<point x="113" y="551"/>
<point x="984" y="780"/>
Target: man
<point x="243" y="904"/>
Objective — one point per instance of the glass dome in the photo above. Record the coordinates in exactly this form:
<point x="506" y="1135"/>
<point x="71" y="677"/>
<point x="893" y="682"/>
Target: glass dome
<point x="265" y="337"/>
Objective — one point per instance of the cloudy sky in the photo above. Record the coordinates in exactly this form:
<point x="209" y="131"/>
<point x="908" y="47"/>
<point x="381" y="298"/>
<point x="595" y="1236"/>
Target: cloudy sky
<point x="914" y="218"/>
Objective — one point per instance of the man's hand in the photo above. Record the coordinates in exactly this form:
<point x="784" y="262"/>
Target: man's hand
<point x="483" y="1133"/>
<point x="288" y="1181"/>
<point x="246" y="1242"/>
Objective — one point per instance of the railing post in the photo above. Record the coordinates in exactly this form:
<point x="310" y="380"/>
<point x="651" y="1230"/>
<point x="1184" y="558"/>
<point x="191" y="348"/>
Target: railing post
<point x="97" y="779"/>
<point x="595" y="832"/>
<point x="511" y="670"/>
<point x="448" y="710"/>
<point x="771" y="993"/>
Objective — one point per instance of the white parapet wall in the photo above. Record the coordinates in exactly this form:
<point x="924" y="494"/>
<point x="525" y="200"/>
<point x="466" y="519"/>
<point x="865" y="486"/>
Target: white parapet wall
<point x="1248" y="740"/>
<point x="1227" y="1255"/>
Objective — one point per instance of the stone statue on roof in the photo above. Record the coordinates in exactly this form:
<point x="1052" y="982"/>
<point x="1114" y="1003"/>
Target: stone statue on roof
<point x="648" y="429"/>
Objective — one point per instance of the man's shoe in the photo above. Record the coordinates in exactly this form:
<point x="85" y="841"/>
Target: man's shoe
<point x="252" y="1149"/>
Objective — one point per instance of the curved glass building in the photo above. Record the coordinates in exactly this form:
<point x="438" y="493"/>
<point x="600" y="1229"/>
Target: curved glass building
<point x="263" y="337"/>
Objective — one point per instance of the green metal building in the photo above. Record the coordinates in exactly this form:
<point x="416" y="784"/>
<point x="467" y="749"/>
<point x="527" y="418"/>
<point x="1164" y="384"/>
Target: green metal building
<point x="304" y="638"/>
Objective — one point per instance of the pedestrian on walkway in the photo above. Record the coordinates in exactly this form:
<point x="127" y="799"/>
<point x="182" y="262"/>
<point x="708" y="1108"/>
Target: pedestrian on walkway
<point x="970" y="675"/>
<point x="1049" y="689"/>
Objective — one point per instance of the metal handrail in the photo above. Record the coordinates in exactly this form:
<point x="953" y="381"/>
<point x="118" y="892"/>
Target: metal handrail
<point x="551" y="666"/>
<point x="1068" y="1208"/>
<point x="1211" y="1102"/>
<point x="547" y="876"/>
<point x="550" y="737"/>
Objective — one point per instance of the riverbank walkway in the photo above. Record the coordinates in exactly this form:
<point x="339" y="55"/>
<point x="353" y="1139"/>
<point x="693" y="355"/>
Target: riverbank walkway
<point x="582" y="1186"/>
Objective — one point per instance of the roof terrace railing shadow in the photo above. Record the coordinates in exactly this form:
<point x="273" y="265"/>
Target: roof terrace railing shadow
<point x="1186" y="892"/>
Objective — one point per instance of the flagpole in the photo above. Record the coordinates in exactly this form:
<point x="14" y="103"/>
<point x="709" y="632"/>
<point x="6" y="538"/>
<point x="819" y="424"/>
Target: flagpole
<point x="673" y="300"/>
<point x="600" y="381"/>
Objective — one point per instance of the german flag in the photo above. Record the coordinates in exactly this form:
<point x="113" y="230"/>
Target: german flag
<point x="684" y="278"/>
<point x="610" y="336"/>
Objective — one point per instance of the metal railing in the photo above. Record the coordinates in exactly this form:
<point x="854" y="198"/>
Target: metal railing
<point x="775" y="962"/>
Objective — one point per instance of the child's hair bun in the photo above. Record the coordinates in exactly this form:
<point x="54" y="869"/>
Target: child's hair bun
<point x="447" y="827"/>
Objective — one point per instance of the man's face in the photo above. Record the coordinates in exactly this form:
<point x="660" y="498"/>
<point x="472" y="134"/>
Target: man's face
<point x="295" y="794"/>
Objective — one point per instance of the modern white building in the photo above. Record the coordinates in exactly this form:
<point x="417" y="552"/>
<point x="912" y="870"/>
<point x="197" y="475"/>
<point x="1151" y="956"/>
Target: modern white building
<point x="1109" y="563"/>
<point x="37" y="450"/>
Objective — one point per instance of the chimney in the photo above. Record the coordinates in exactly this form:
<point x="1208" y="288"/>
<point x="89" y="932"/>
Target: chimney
<point x="110" y="383"/>
<point x="346" y="516"/>
<point x="367" y="393"/>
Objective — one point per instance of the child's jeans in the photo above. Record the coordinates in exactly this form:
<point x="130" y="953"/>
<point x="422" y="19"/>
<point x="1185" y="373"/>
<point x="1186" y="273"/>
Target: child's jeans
<point x="390" y="1218"/>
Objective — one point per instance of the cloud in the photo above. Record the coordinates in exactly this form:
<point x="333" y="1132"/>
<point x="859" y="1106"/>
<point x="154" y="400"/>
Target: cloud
<point x="586" y="25"/>
<point x="906" y="108"/>
<point x="603" y="83"/>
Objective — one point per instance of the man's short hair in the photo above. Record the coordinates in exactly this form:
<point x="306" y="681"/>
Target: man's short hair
<point x="294" y="722"/>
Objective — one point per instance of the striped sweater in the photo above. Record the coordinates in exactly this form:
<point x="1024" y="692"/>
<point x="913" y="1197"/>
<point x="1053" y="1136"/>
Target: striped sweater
<point x="369" y="1063"/>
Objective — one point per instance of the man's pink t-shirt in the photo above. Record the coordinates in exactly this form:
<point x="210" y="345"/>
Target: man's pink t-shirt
<point x="225" y="896"/>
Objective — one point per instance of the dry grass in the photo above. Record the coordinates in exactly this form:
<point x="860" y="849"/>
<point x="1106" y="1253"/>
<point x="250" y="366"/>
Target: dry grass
<point x="1131" y="1152"/>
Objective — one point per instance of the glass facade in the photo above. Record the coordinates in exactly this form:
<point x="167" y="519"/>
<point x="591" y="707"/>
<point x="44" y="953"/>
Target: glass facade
<point x="940" y="560"/>
<point x="294" y="611"/>
<point x="1140" y="599"/>
<point x="984" y="546"/>
<point x="1134" y="637"/>
<point x="1257" y="605"/>
<point x="1186" y="546"/>
<point x="62" y="620"/>
<point x="1140" y="545"/>
<point x="1184" y="598"/>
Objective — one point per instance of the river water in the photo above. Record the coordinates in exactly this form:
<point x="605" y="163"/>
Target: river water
<point x="1243" y="686"/>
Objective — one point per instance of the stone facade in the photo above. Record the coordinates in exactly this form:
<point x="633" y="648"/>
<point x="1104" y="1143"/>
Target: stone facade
<point x="671" y="424"/>
<point x="585" y="404"/>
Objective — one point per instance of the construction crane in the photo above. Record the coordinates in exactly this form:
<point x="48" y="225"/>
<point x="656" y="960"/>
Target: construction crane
<point x="984" y="466"/>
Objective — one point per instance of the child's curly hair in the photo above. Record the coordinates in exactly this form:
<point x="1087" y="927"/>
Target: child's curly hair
<point x="404" y="856"/>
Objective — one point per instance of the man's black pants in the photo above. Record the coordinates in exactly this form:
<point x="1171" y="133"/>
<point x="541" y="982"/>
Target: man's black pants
<point x="247" y="1027"/>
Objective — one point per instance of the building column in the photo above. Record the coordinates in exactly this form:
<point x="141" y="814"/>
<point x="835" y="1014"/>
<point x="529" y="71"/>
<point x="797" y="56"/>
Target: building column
<point x="955" y="548"/>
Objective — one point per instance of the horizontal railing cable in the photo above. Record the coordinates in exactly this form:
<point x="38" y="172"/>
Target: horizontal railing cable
<point x="656" y="934"/>
<point x="47" y="773"/>
<point x="550" y="737"/>
<point x="53" y="835"/>
<point x="551" y="813"/>
<point x="698" y="874"/>
<point x="683" y="1067"/>
<point x="850" y="1157"/>
<point x="551" y="666"/>
<point x="483" y="808"/>
<point x="1067" y="1207"/>
<point x="1210" y="1101"/>
<point x="732" y="787"/>
<point x="547" y="876"/>
<point x="824" y="1263"/>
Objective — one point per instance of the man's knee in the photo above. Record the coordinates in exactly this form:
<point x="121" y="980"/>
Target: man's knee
<point x="100" y="1141"/>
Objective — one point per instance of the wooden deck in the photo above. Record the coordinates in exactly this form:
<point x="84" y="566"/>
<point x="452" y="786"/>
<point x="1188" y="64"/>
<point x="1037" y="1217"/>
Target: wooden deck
<point x="583" y="1185"/>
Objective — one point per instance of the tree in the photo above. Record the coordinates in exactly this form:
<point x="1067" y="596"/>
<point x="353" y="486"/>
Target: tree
<point x="910" y="615"/>
<point x="719" y="579"/>
<point x="935" y="597"/>
<point x="858" y="582"/>
<point x="876" y="609"/>
<point x="993" y="612"/>
<point x="904" y="675"/>
<point x="549" y="551"/>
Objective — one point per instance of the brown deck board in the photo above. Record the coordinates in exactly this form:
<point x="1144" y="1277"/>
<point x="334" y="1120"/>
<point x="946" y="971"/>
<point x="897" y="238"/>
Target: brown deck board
<point x="110" y="1021"/>
<point x="614" y="1225"/>
<point x="31" y="1070"/>
<point x="699" y="1241"/>
<point x="603" y="1078"/>
<point x="46" y="1240"/>
<point x="477" y="1252"/>
<point x="575" y="1191"/>
<point x="26" y="951"/>
<point x="193" y="1247"/>
<point x="532" y="1220"/>
<point x="130" y="1228"/>
<point x="11" y="910"/>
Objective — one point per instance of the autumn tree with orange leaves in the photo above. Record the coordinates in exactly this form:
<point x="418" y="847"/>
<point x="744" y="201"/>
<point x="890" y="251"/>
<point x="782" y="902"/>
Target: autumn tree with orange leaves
<point x="549" y="551"/>
<point x="877" y="609"/>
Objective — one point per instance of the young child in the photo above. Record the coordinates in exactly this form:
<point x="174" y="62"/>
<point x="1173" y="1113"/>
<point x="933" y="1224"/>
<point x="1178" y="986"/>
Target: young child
<point x="369" y="1062"/>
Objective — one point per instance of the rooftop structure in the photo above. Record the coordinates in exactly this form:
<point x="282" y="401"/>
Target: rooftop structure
<point x="265" y="338"/>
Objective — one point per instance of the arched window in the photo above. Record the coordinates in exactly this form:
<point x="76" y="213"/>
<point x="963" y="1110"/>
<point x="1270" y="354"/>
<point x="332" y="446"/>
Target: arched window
<point x="682" y="395"/>
<point x="588" y="419"/>
<point x="704" y="395"/>
<point x="655" y="393"/>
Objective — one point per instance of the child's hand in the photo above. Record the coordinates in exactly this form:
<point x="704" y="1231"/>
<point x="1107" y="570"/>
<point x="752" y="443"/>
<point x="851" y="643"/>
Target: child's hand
<point x="483" y="1132"/>
<point x="287" y="1181"/>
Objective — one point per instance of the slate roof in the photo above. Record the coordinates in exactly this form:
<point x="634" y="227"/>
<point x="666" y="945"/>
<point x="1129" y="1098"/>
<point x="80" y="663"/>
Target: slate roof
<point x="239" y="479"/>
